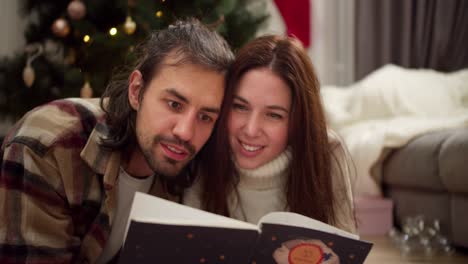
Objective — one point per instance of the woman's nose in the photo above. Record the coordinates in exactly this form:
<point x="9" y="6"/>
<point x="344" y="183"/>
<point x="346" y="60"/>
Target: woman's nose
<point x="253" y="125"/>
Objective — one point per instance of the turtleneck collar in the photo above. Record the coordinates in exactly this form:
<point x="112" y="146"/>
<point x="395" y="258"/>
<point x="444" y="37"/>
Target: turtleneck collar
<point x="269" y="175"/>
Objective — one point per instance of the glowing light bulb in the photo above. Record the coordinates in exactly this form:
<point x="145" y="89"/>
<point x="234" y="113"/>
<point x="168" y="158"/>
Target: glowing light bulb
<point x="113" y="31"/>
<point x="159" y="13"/>
<point x="86" y="38"/>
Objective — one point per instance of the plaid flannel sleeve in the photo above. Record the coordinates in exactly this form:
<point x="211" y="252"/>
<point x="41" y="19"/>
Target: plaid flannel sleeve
<point x="35" y="222"/>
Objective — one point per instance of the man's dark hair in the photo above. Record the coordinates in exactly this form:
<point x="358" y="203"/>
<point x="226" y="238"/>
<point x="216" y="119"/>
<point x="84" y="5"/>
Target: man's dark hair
<point x="190" y="42"/>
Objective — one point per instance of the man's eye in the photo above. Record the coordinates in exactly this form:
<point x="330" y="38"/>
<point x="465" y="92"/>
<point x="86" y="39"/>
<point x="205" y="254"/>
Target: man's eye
<point x="174" y="105"/>
<point x="206" y="118"/>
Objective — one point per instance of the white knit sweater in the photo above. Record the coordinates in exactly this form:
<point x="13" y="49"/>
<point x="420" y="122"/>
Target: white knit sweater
<point x="261" y="190"/>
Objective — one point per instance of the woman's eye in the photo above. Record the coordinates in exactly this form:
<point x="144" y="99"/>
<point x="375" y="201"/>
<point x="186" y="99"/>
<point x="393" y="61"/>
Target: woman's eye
<point x="275" y="116"/>
<point x="239" y="107"/>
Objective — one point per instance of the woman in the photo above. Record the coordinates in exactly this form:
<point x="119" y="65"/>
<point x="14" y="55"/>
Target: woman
<point x="272" y="148"/>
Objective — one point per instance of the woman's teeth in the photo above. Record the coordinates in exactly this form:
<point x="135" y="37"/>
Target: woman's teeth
<point x="250" y="148"/>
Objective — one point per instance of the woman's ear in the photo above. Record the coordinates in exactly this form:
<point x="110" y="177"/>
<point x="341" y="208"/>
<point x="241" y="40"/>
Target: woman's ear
<point x="135" y="86"/>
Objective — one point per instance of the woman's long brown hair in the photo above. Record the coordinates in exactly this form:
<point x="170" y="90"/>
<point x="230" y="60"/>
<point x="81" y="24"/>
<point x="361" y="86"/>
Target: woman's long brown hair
<point x="309" y="184"/>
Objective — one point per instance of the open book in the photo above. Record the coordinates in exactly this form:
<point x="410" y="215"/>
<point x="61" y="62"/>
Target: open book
<point x="160" y="231"/>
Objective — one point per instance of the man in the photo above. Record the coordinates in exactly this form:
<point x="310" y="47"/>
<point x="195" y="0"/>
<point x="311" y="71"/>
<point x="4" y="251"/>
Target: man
<point x="70" y="168"/>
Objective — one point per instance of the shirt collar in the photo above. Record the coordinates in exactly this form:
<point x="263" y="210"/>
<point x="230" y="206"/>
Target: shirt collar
<point x="101" y="160"/>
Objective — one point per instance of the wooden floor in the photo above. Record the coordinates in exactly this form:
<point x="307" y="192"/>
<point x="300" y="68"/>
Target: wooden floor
<point x="384" y="252"/>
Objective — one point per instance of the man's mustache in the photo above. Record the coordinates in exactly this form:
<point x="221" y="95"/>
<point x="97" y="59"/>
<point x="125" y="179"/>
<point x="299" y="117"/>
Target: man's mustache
<point x="176" y="141"/>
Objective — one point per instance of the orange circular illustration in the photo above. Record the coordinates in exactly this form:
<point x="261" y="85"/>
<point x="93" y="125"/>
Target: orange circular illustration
<point x="305" y="253"/>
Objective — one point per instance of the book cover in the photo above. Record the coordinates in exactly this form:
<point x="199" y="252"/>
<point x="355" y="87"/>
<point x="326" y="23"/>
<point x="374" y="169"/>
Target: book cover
<point x="160" y="231"/>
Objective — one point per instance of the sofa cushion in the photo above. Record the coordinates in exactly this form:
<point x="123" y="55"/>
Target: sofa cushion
<point x="436" y="161"/>
<point x="453" y="161"/>
<point x="415" y="165"/>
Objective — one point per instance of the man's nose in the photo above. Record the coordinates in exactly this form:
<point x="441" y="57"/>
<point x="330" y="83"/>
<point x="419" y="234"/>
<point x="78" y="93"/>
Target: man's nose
<point x="185" y="126"/>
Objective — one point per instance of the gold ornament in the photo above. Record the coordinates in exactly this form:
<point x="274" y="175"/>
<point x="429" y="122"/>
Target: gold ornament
<point x="76" y="10"/>
<point x="28" y="75"/>
<point x="61" y="28"/>
<point x="86" y="91"/>
<point x="129" y="26"/>
<point x="28" y="72"/>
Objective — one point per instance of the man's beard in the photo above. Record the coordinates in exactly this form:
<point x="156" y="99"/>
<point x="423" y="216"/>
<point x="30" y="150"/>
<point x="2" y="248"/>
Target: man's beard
<point x="167" y="167"/>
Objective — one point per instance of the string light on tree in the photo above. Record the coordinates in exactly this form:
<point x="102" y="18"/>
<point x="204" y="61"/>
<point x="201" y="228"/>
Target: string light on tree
<point x="159" y="14"/>
<point x="76" y="9"/>
<point x="113" y="31"/>
<point x="129" y="25"/>
<point x="86" y="39"/>
<point x="61" y="28"/>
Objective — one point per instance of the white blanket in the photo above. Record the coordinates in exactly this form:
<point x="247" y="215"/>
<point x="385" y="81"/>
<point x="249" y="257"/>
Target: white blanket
<point x="390" y="107"/>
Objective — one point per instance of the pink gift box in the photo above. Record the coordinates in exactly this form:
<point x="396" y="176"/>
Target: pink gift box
<point x="373" y="215"/>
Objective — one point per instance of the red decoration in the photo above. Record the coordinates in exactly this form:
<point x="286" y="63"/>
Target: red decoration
<point x="296" y="15"/>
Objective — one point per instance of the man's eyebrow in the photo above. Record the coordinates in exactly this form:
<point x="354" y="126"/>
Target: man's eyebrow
<point x="173" y="92"/>
<point x="213" y="110"/>
<point x="272" y="107"/>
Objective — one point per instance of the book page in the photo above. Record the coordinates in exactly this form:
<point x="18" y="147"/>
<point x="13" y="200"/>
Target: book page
<point x="285" y="243"/>
<point x="151" y="209"/>
<point x="293" y="219"/>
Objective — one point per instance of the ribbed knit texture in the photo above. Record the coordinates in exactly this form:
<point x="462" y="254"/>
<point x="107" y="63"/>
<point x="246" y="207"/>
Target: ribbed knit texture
<point x="266" y="176"/>
<point x="261" y="190"/>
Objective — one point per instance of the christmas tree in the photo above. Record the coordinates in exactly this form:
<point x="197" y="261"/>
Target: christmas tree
<point x="74" y="45"/>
